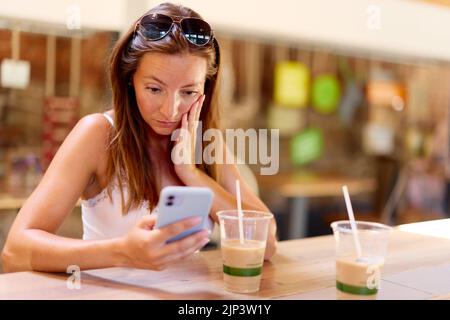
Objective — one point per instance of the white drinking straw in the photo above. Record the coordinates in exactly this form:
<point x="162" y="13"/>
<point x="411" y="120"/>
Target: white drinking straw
<point x="352" y="221"/>
<point x="240" y="214"/>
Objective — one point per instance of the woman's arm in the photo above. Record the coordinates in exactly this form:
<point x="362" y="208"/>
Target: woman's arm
<point x="32" y="243"/>
<point x="225" y="196"/>
<point x="224" y="193"/>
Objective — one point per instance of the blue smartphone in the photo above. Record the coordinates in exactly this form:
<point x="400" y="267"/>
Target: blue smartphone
<point x="178" y="203"/>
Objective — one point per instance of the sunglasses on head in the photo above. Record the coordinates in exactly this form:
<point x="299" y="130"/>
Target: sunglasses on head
<point x="156" y="26"/>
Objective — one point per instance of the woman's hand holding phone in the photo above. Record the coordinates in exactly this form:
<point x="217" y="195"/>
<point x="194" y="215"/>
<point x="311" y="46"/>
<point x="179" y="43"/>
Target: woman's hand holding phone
<point x="145" y="247"/>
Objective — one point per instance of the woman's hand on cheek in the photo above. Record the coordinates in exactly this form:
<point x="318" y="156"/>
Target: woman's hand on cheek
<point x="183" y="153"/>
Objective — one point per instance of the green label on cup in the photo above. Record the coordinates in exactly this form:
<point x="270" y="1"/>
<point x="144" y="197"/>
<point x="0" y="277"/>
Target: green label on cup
<point x="242" y="272"/>
<point x="364" y="291"/>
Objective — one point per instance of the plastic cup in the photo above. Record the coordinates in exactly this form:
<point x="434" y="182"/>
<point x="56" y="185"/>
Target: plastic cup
<point x="243" y="261"/>
<point x="359" y="277"/>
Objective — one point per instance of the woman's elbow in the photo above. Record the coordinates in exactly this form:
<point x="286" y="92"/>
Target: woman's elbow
<point x="6" y="260"/>
<point x="13" y="260"/>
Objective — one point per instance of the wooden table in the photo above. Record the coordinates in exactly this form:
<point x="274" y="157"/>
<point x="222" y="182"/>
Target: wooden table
<point x="299" y="187"/>
<point x="417" y="267"/>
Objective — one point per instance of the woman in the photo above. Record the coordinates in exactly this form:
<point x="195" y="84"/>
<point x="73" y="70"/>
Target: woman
<point x="163" y="75"/>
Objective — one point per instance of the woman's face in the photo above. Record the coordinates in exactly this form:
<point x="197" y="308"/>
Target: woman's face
<point x="166" y="86"/>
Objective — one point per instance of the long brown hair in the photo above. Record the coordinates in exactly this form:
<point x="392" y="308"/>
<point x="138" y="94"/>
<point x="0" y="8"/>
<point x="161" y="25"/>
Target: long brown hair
<point x="128" y="159"/>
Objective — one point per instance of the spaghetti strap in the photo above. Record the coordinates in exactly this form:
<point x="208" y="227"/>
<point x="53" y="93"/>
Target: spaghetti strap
<point x="109" y="118"/>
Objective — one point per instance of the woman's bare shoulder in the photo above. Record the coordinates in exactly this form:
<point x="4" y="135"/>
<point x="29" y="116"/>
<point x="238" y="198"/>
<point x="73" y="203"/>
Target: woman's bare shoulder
<point x="95" y="121"/>
<point x="91" y="136"/>
<point x="89" y="140"/>
<point x="93" y="128"/>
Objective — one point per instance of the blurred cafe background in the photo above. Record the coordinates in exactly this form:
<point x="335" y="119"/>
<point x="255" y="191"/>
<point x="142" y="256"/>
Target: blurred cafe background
<point x="360" y="91"/>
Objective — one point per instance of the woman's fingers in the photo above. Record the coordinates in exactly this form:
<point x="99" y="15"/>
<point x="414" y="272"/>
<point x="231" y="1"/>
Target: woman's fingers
<point x="198" y="109"/>
<point x="184" y="121"/>
<point x="200" y="106"/>
<point x="147" y="222"/>
<point x="176" y="228"/>
<point x="188" y="129"/>
<point x="177" y="256"/>
<point x="192" y="112"/>
<point x="183" y="128"/>
<point x="183" y="248"/>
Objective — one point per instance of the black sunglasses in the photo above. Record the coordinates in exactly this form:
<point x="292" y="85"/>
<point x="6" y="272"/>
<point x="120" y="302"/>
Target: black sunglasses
<point x="156" y="26"/>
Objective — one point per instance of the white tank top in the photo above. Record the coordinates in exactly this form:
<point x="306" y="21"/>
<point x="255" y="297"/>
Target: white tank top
<point x="102" y="217"/>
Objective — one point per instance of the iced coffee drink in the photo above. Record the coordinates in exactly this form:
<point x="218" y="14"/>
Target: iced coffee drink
<point x="357" y="278"/>
<point x="243" y="246"/>
<point x="358" y="270"/>
<point x="242" y="264"/>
